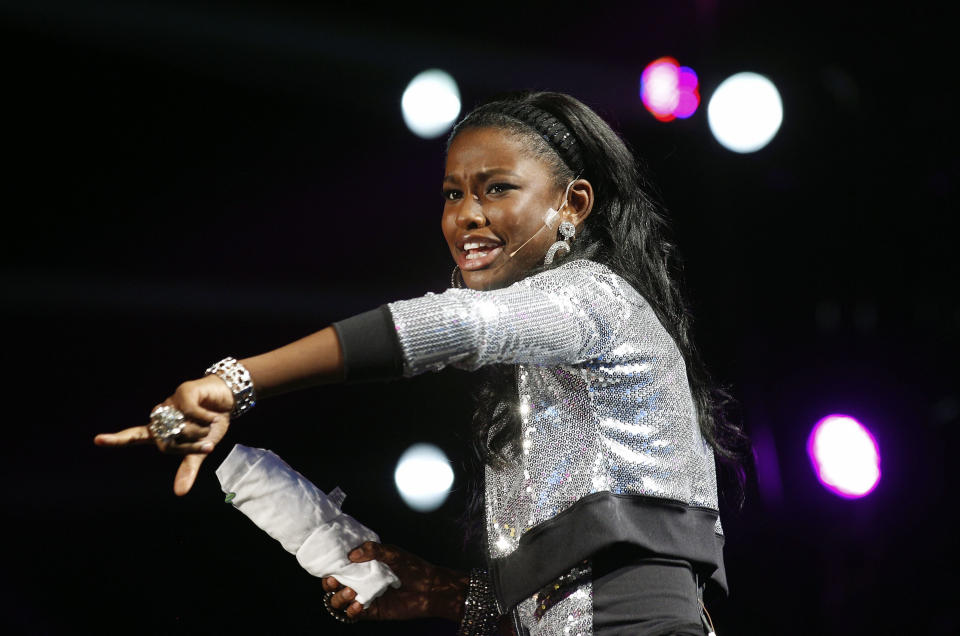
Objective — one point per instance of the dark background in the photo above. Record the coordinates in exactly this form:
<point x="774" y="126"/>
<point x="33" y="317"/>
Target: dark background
<point x="184" y="183"/>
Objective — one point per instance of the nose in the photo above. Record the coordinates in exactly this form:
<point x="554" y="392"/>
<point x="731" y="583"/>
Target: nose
<point x="470" y="215"/>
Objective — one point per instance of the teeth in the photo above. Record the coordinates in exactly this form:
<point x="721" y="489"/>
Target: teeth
<point x="473" y="246"/>
<point x="473" y="255"/>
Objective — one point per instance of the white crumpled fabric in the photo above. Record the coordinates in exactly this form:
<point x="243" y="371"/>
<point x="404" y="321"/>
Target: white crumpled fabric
<point x="306" y="522"/>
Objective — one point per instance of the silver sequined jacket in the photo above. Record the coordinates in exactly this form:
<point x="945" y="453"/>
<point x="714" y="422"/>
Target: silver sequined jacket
<point x="611" y="452"/>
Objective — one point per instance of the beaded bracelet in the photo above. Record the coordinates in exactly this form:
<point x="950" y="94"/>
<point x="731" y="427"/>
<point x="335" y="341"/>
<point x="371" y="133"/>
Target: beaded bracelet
<point x="480" y="615"/>
<point x="240" y="383"/>
<point x="340" y="615"/>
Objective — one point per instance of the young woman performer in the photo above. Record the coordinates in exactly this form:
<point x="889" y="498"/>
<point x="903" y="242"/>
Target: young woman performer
<point x="596" y="425"/>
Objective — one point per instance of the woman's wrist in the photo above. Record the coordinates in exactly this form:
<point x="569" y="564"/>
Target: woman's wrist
<point x="238" y="380"/>
<point x="449" y="595"/>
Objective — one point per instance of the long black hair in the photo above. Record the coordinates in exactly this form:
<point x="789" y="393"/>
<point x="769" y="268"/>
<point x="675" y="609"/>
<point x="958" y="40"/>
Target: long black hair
<point x="627" y="231"/>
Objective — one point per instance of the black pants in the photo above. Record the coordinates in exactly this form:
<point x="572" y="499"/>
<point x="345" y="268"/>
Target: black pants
<point x="639" y="595"/>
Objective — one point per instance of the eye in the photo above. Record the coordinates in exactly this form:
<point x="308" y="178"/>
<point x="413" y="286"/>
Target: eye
<point x="452" y="195"/>
<point x="500" y="188"/>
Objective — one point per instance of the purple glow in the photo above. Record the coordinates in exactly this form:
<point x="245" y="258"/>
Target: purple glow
<point x="768" y="467"/>
<point x="686" y="106"/>
<point x="687" y="80"/>
<point x="668" y="90"/>
<point x="845" y="456"/>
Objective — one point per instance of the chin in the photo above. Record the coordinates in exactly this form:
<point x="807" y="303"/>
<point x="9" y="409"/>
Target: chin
<point x="488" y="279"/>
<point x="479" y="281"/>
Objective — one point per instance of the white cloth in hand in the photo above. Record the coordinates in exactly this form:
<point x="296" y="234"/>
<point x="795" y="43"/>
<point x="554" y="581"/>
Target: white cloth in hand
<point x="306" y="522"/>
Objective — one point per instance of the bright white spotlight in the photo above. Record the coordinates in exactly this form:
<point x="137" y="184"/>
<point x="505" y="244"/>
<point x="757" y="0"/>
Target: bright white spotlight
<point x="845" y="456"/>
<point x="423" y="477"/>
<point x="745" y="112"/>
<point x="430" y="103"/>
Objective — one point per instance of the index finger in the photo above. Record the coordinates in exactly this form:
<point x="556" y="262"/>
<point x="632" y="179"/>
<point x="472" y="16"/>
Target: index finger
<point x="126" y="437"/>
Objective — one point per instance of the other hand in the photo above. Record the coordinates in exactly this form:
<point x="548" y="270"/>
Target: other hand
<point x="206" y="403"/>
<point x="426" y="590"/>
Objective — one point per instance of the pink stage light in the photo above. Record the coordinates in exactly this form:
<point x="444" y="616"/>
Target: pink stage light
<point x="669" y="90"/>
<point x="845" y="456"/>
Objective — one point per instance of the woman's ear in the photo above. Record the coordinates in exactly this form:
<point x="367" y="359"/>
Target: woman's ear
<point x="579" y="202"/>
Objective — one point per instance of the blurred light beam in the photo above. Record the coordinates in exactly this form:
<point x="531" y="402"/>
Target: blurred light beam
<point x="423" y="477"/>
<point x="845" y="456"/>
<point x="745" y="112"/>
<point x="430" y="103"/>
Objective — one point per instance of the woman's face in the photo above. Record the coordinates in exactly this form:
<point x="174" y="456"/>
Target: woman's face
<point x="496" y="195"/>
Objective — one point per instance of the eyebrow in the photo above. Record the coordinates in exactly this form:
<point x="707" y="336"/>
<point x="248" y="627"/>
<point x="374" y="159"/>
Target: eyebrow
<point x="487" y="173"/>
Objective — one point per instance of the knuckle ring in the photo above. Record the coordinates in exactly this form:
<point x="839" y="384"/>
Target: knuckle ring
<point x="166" y="423"/>
<point x="340" y="615"/>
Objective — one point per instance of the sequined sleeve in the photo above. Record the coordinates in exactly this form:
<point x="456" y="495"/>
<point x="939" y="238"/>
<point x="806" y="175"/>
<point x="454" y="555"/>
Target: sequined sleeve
<point x="565" y="315"/>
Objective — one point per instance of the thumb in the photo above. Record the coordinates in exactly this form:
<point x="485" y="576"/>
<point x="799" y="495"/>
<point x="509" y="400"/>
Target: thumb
<point x="205" y="399"/>
<point x="187" y="474"/>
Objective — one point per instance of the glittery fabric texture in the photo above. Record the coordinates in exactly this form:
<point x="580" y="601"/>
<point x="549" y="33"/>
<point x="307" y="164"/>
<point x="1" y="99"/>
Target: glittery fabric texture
<point x="557" y="317"/>
<point x="561" y="588"/>
<point x="571" y="616"/>
<point x="602" y="392"/>
<point x="480" y="615"/>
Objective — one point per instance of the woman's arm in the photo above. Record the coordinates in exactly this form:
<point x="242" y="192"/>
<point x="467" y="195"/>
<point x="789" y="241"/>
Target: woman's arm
<point x="426" y="590"/>
<point x="363" y="347"/>
<point x="565" y="315"/>
<point x="315" y="359"/>
<point x="207" y="402"/>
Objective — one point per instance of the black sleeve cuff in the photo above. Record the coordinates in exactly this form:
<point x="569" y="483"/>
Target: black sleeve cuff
<point x="371" y="349"/>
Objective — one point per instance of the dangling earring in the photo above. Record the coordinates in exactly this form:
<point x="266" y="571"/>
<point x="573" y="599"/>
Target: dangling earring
<point x="456" y="281"/>
<point x="567" y="230"/>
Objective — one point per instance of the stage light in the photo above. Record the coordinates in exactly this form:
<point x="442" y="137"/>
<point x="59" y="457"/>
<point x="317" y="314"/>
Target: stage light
<point x="430" y="103"/>
<point x="423" y="477"/>
<point x="669" y="90"/>
<point x="845" y="456"/>
<point x="745" y="112"/>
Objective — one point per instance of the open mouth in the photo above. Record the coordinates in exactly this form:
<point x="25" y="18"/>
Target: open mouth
<point x="478" y="254"/>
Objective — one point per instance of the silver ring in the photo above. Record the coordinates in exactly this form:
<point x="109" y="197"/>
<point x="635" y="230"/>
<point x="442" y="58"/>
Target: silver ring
<point x="166" y="423"/>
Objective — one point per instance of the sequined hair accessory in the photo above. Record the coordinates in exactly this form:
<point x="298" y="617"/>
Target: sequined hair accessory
<point x="557" y="134"/>
<point x="240" y="383"/>
<point x="480" y="615"/>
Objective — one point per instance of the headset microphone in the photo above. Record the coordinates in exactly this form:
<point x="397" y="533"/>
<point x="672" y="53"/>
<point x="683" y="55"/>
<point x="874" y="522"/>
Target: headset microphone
<point x="548" y="220"/>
